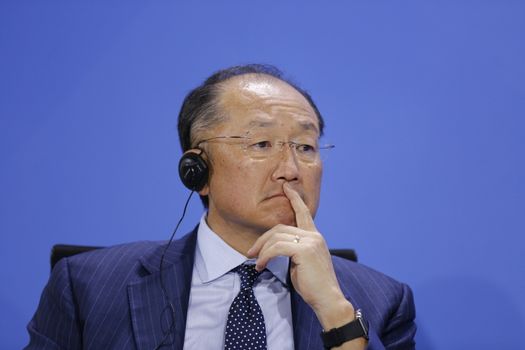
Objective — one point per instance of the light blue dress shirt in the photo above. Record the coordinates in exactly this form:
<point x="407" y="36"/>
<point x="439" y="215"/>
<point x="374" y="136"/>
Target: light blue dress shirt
<point x="214" y="286"/>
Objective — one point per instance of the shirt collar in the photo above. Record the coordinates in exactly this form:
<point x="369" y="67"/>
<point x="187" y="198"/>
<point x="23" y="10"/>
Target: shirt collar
<point x="215" y="257"/>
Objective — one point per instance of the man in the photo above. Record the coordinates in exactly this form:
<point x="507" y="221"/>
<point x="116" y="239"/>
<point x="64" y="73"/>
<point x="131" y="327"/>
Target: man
<point x="257" y="136"/>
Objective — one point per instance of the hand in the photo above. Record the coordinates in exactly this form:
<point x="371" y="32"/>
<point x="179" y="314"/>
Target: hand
<point x="311" y="268"/>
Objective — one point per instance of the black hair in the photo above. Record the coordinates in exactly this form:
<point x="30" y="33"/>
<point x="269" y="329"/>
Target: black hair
<point x="200" y="104"/>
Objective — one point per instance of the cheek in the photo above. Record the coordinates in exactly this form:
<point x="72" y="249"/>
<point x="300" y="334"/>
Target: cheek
<point x="313" y="188"/>
<point x="234" y="180"/>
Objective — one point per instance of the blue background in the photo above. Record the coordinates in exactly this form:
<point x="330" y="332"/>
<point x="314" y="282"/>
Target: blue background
<point x="425" y="101"/>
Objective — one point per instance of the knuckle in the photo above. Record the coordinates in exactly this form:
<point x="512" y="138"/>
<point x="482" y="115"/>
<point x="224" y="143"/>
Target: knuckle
<point x="310" y="248"/>
<point x="262" y="257"/>
<point x="319" y="240"/>
<point x="279" y="245"/>
<point x="279" y="227"/>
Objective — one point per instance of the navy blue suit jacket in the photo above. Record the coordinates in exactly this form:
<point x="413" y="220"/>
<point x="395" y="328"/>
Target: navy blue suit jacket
<point x="111" y="299"/>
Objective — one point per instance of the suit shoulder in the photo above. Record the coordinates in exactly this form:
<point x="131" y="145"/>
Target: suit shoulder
<point x="387" y="303"/>
<point x="358" y="279"/>
<point x="117" y="264"/>
<point x="352" y="268"/>
<point x="113" y="257"/>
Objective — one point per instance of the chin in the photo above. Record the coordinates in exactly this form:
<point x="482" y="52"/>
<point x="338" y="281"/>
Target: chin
<point x="286" y="217"/>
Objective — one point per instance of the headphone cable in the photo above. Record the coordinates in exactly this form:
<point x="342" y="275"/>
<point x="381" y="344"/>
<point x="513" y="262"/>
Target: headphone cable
<point x="169" y="306"/>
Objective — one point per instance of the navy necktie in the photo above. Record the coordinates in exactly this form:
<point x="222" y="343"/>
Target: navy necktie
<point x="245" y="325"/>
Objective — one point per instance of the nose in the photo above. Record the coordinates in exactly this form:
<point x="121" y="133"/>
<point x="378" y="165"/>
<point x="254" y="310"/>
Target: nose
<point x="287" y="167"/>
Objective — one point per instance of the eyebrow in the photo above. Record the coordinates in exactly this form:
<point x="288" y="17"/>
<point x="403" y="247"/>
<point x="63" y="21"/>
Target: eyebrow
<point x="264" y="124"/>
<point x="261" y="123"/>
<point x="309" y="126"/>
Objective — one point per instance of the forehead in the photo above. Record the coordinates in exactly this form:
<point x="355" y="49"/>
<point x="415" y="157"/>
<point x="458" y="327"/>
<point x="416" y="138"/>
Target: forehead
<point x="263" y="102"/>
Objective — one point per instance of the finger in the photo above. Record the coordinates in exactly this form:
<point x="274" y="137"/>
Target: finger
<point x="259" y="243"/>
<point x="303" y="218"/>
<point x="279" y="248"/>
<point x="279" y="237"/>
<point x="270" y="234"/>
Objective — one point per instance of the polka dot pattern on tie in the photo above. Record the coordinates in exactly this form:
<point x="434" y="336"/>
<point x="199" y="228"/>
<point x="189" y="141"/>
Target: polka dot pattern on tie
<point x="245" y="325"/>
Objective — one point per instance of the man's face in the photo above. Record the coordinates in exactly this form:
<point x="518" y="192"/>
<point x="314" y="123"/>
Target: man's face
<point x="245" y="192"/>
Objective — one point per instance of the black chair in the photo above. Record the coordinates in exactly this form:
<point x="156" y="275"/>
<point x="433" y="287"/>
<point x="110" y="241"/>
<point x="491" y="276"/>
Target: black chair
<point x="348" y="254"/>
<point x="60" y="251"/>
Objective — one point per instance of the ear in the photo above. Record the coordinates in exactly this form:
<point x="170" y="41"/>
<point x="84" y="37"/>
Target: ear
<point x="206" y="188"/>
<point x="193" y="171"/>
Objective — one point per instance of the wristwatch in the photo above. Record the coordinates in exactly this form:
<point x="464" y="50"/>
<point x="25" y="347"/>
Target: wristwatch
<point x="355" y="329"/>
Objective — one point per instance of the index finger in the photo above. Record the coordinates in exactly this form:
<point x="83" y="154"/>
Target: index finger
<point x="303" y="218"/>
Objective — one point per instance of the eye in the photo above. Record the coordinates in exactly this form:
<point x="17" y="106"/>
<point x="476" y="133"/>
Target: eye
<point x="305" y="148"/>
<point x="260" y="145"/>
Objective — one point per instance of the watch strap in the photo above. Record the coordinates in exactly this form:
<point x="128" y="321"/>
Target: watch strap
<point x="352" y="330"/>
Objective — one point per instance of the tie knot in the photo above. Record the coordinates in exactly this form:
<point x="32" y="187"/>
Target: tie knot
<point x="248" y="275"/>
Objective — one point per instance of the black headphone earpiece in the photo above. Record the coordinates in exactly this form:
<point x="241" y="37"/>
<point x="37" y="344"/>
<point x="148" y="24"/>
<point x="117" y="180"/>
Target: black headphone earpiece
<point x="193" y="171"/>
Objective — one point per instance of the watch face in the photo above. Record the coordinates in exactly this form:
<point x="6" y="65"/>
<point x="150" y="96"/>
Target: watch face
<point x="362" y="322"/>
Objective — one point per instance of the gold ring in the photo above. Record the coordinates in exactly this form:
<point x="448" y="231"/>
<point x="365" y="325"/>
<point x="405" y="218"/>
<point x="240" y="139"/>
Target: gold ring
<point x="296" y="239"/>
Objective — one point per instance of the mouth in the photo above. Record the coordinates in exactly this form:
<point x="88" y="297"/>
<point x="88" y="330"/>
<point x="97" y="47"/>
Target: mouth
<point x="277" y="195"/>
<point x="281" y="195"/>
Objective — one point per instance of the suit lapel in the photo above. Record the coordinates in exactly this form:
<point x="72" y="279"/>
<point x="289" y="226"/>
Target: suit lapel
<point x="150" y="311"/>
<point x="306" y="327"/>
